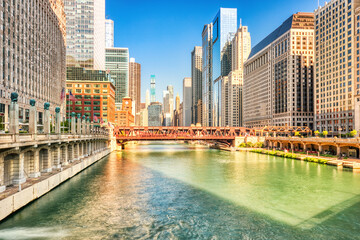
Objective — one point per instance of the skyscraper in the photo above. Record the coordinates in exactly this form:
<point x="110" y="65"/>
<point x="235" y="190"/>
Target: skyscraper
<point x="135" y="83"/>
<point x="109" y="33"/>
<point x="196" y="77"/>
<point x="152" y="89"/>
<point x="154" y="114"/>
<point x="176" y="120"/>
<point x="215" y="36"/>
<point x="85" y="34"/>
<point x="237" y="50"/>
<point x="278" y="76"/>
<point x="117" y="64"/>
<point x="337" y="76"/>
<point x="187" y="92"/>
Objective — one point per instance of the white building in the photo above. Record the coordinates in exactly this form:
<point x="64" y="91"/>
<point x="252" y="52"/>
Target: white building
<point x="187" y="93"/>
<point x="85" y="42"/>
<point x="109" y="33"/>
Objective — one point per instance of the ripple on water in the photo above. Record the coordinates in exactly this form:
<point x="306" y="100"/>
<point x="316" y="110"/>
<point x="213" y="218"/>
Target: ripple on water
<point x="33" y="233"/>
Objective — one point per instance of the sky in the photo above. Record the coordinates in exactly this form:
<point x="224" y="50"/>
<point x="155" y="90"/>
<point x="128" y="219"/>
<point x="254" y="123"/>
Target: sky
<point x="160" y="35"/>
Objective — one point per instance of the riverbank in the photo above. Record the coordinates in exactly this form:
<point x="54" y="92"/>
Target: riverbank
<point x="348" y="163"/>
<point x="13" y="201"/>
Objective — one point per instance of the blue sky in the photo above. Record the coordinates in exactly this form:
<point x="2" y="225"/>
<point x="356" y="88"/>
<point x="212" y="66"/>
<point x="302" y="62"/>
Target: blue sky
<point x="162" y="34"/>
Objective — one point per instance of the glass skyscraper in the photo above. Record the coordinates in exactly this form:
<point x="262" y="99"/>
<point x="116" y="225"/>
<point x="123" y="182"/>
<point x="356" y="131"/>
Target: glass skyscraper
<point x="215" y="36"/>
<point x="117" y="64"/>
<point x="85" y="33"/>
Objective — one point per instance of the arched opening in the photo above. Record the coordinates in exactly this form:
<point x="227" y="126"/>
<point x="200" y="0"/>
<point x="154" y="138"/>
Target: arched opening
<point x="29" y="163"/>
<point x="11" y="169"/>
<point x="63" y="155"/>
<point x="70" y="153"/>
<point x="55" y="157"/>
<point x="76" y="151"/>
<point x="44" y="163"/>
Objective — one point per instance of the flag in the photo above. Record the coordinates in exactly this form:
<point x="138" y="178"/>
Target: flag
<point x="71" y="96"/>
<point x="62" y="96"/>
<point x="95" y="118"/>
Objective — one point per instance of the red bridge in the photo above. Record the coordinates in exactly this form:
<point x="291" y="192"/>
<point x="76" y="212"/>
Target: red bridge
<point x="219" y="134"/>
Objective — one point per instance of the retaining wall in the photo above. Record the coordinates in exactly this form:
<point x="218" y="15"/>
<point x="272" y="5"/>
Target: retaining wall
<point x="18" y="200"/>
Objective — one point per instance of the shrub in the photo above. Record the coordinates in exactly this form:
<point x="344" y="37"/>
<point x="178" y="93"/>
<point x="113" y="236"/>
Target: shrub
<point x="249" y="145"/>
<point x="325" y="133"/>
<point x="353" y="133"/>
<point x="243" y="145"/>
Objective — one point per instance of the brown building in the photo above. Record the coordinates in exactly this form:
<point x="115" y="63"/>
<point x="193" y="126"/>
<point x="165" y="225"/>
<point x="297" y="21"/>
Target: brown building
<point x="33" y="54"/>
<point x="124" y="117"/>
<point x="94" y="93"/>
<point x="135" y="83"/>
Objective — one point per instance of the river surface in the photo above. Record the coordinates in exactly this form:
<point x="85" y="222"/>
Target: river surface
<point x="173" y="191"/>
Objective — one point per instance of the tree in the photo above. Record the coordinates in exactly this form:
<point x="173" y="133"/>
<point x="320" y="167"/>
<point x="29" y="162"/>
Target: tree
<point x="297" y="134"/>
<point x="325" y="133"/>
<point x="317" y="133"/>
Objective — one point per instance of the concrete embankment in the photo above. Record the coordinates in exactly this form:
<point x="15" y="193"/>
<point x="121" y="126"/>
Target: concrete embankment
<point x="20" y="199"/>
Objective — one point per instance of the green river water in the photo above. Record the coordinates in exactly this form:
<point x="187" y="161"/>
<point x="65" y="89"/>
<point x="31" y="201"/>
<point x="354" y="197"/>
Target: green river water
<point x="174" y="191"/>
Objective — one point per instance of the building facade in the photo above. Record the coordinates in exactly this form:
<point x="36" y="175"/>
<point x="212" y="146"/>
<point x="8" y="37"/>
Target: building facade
<point x="196" y="77"/>
<point x="337" y="74"/>
<point x="85" y="34"/>
<point x="94" y="94"/>
<point x="155" y="114"/>
<point x="33" y="54"/>
<point x="187" y="92"/>
<point x="109" y="33"/>
<point x="124" y="117"/>
<point x="214" y="38"/>
<point x="135" y="83"/>
<point x="117" y="64"/>
<point x="278" y="79"/>
<point x="235" y="53"/>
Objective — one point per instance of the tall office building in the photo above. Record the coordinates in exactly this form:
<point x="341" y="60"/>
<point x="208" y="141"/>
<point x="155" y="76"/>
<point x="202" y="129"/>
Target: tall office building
<point x="337" y="62"/>
<point x="154" y="114"/>
<point x="214" y="37"/>
<point x="135" y="83"/>
<point x="237" y="50"/>
<point x="117" y="64"/>
<point x="187" y="92"/>
<point x="278" y="77"/>
<point x="152" y="89"/>
<point x="85" y="33"/>
<point x="176" y="120"/>
<point x="166" y="101"/>
<point x="109" y="33"/>
<point x="196" y="77"/>
<point x="33" y="54"/>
